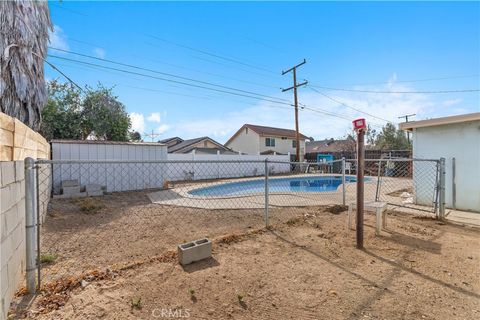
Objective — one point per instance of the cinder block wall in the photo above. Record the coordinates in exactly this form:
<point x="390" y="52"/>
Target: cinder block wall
<point x="12" y="230"/>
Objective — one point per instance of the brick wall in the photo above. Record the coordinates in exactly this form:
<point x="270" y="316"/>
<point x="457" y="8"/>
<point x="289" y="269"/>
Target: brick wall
<point x="12" y="230"/>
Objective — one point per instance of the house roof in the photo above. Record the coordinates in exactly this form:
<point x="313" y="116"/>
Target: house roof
<point x="329" y="145"/>
<point x="440" y="121"/>
<point x="167" y="140"/>
<point x="187" y="143"/>
<point x="67" y="141"/>
<point x="201" y="150"/>
<point x="268" y="131"/>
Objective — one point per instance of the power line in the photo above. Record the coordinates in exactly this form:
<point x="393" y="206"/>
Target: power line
<point x="211" y="73"/>
<point x="162" y="73"/>
<point x="252" y="95"/>
<point x="336" y="115"/>
<point x="295" y="101"/>
<point x="303" y="106"/>
<point x="410" y="81"/>
<point x="208" y="97"/>
<point x="63" y="74"/>
<point x="236" y="67"/>
<point x="383" y="92"/>
<point x="348" y="106"/>
<point x="233" y="60"/>
<point x="183" y="67"/>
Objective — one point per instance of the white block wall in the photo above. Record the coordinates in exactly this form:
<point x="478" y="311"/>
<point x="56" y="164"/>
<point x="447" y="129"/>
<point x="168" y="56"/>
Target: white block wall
<point x="12" y="228"/>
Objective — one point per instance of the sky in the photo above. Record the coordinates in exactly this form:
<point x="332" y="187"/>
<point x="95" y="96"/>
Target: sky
<point x="187" y="58"/>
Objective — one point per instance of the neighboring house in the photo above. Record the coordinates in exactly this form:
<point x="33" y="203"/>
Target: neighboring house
<point x="455" y="137"/>
<point x="253" y="139"/>
<point x="329" y="149"/>
<point x="171" y="141"/>
<point x="202" y="145"/>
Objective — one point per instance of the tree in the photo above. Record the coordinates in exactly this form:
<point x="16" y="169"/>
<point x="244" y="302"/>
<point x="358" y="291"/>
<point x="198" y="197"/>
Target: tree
<point x="135" y="136"/>
<point x="61" y="116"/>
<point x="104" y="117"/>
<point x="371" y="135"/>
<point x="24" y="37"/>
<point x="92" y="113"/>
<point x="392" y="139"/>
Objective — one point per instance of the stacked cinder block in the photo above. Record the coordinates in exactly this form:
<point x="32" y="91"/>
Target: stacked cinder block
<point x="73" y="189"/>
<point x="12" y="231"/>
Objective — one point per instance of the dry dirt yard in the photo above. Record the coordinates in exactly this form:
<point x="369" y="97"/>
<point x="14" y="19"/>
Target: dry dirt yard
<point x="305" y="267"/>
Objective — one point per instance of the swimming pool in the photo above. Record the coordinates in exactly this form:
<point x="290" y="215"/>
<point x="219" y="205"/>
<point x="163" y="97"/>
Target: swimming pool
<point x="290" y="184"/>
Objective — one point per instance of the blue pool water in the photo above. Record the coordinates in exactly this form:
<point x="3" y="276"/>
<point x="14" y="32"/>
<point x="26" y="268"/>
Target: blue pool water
<point x="290" y="184"/>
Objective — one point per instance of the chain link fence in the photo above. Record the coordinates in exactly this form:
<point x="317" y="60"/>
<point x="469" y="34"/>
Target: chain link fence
<point x="111" y="213"/>
<point x="408" y="183"/>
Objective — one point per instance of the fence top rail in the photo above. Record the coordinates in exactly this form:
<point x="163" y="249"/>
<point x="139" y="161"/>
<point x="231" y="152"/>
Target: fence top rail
<point x="396" y="160"/>
<point x="42" y="161"/>
<point x="157" y="161"/>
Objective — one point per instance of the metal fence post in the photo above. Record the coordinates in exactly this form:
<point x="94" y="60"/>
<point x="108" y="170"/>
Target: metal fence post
<point x="454" y="184"/>
<point x="266" y="193"/>
<point x="441" y="208"/>
<point x="343" y="182"/>
<point x="30" y="224"/>
<point x="377" y="191"/>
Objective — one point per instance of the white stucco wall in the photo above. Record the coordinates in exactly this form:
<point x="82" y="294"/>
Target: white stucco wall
<point x="244" y="142"/>
<point x="462" y="142"/>
<point x="282" y="146"/>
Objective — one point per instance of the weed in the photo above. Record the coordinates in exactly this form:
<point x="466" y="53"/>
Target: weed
<point x="240" y="297"/>
<point x="336" y="209"/>
<point x="192" y="295"/>
<point x="48" y="258"/>
<point x="89" y="205"/>
<point x="136" y="303"/>
<point x="293" y="221"/>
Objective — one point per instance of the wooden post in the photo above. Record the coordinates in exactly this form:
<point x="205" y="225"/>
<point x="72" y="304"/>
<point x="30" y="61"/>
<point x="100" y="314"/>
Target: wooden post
<point x="360" y="186"/>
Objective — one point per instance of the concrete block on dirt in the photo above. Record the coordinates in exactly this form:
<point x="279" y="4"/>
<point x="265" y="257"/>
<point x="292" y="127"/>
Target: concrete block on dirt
<point x="95" y="193"/>
<point x="71" y="190"/>
<point x="93" y="187"/>
<point x="194" y="251"/>
<point x="70" y="183"/>
<point x="72" y="195"/>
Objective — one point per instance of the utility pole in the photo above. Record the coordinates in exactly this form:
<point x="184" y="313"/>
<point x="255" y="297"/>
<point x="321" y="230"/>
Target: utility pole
<point x="152" y="135"/>
<point x="406" y="120"/>
<point x="294" y="87"/>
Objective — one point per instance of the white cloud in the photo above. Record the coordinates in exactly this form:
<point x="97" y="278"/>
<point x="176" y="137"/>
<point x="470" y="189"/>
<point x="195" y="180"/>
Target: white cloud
<point x="162" y="128"/>
<point x="451" y="102"/>
<point x="316" y="124"/>
<point x="99" y="53"/>
<point x="138" y="122"/>
<point x="154" y="117"/>
<point x="58" y="39"/>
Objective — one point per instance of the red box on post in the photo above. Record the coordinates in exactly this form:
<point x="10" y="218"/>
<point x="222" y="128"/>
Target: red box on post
<point x="359" y="124"/>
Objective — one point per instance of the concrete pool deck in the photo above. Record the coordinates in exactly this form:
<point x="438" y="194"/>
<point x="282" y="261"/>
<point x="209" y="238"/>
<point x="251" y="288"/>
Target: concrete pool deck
<point x="179" y="196"/>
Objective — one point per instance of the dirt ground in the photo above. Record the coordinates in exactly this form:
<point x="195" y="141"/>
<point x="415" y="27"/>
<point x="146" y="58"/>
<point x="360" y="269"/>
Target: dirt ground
<point x="305" y="267"/>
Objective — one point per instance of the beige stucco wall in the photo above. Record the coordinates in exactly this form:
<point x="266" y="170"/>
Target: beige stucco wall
<point x="248" y="143"/>
<point x="282" y="146"/>
<point x="253" y="143"/>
